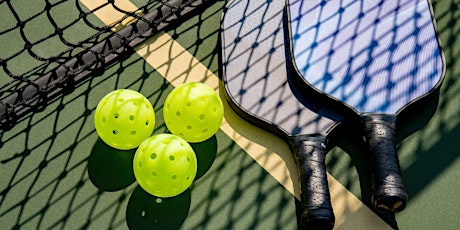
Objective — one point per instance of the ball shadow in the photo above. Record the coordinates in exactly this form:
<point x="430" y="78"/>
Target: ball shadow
<point x="145" y="211"/>
<point x="206" y="153"/>
<point x="110" y="169"/>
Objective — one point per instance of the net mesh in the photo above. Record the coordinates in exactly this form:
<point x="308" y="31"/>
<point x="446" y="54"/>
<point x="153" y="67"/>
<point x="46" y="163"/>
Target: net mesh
<point x="49" y="46"/>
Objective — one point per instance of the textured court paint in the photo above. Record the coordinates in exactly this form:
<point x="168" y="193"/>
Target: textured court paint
<point x="275" y="157"/>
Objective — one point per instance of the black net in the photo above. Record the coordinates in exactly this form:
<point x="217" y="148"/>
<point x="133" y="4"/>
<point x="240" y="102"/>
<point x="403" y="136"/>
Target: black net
<point x="49" y="46"/>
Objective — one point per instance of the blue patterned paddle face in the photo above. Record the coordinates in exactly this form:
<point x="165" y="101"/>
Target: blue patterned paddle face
<point x="376" y="57"/>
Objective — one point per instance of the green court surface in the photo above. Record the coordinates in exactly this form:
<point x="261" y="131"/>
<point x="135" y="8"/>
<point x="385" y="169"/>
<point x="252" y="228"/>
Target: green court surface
<point x="55" y="173"/>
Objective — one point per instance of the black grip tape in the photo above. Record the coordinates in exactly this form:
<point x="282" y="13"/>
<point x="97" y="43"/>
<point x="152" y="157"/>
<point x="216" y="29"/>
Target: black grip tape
<point x="389" y="194"/>
<point x="310" y="155"/>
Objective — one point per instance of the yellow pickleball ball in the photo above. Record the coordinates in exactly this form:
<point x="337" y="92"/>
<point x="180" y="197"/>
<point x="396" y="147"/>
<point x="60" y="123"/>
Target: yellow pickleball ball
<point x="124" y="119"/>
<point x="193" y="111"/>
<point x="165" y="165"/>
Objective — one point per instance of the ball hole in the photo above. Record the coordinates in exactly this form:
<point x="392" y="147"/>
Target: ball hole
<point x="133" y="132"/>
<point x="135" y="103"/>
<point x="189" y="127"/>
<point x="103" y="120"/>
<point x="188" y="178"/>
<point x="205" y="130"/>
<point x="174" y="177"/>
<point x="153" y="156"/>
<point x="139" y="164"/>
<point x="115" y="132"/>
<point x="215" y="109"/>
<point x="147" y="123"/>
<point x="154" y="173"/>
<point x="171" y="158"/>
<point x="188" y="159"/>
<point x="116" y="115"/>
<point x="202" y="116"/>
<point x="131" y="117"/>
<point x="188" y="103"/>
<point x="121" y="100"/>
<point x="178" y="113"/>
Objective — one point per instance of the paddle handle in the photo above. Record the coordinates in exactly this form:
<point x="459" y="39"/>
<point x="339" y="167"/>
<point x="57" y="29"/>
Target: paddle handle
<point x="310" y="155"/>
<point x="389" y="194"/>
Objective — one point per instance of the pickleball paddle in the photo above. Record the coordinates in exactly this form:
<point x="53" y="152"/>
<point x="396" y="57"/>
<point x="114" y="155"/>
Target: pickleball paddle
<point x="377" y="58"/>
<point x="257" y="87"/>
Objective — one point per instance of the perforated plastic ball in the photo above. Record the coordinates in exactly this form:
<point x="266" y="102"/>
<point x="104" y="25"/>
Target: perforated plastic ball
<point x="124" y="118"/>
<point x="193" y="111"/>
<point x="165" y="165"/>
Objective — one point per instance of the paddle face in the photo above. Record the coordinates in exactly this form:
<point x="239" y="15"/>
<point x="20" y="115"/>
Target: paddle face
<point x="258" y="88"/>
<point x="374" y="56"/>
<point x="255" y="75"/>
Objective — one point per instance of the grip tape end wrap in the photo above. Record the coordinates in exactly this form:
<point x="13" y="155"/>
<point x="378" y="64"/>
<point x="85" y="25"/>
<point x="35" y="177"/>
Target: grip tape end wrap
<point x="389" y="194"/>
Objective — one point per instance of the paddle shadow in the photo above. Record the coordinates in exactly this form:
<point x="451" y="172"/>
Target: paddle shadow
<point x="350" y="139"/>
